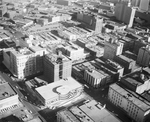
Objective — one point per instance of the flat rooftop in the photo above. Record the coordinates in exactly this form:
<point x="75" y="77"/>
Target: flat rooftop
<point x="6" y="91"/>
<point x="55" y="59"/>
<point x="21" y="52"/>
<point x="96" y="74"/>
<point x="54" y="89"/>
<point x="93" y="112"/>
<point x="137" y="78"/>
<point x="131" y="96"/>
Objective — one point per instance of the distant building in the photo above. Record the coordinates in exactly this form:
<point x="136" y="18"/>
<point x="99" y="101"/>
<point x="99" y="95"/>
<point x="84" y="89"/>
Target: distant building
<point x="112" y="48"/>
<point x="87" y="112"/>
<point x="57" y="67"/>
<point x="63" y="2"/>
<point x="134" y="105"/>
<point x="144" y="5"/>
<point x="23" y="62"/>
<point x="126" y="62"/>
<point x="57" y="93"/>
<point x="8" y="97"/>
<point x="96" y="78"/>
<point x="143" y="58"/>
<point x="74" y="52"/>
<point x="125" y="13"/>
<point x="137" y="81"/>
<point x="90" y="21"/>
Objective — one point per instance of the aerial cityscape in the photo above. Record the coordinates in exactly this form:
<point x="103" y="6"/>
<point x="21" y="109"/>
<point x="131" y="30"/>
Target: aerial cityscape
<point x="74" y="60"/>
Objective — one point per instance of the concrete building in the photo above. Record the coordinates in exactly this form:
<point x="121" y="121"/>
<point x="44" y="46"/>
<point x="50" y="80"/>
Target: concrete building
<point x="143" y="58"/>
<point x="63" y="2"/>
<point x="74" y="52"/>
<point x="95" y="78"/>
<point x="87" y="112"/>
<point x="137" y="81"/>
<point x="57" y="93"/>
<point x="134" y="105"/>
<point x="128" y="15"/>
<point x="90" y="21"/>
<point x="8" y="97"/>
<point x="144" y="5"/>
<point x="57" y="67"/>
<point x="23" y="62"/>
<point x="112" y="48"/>
<point x="125" y="13"/>
<point x="114" y="66"/>
<point x="126" y="62"/>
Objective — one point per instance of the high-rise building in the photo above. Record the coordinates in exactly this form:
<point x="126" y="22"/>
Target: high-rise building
<point x="144" y="5"/>
<point x="23" y="62"/>
<point x="57" y="67"/>
<point x="143" y="58"/>
<point x="112" y="48"/>
<point x="90" y="21"/>
<point x="3" y="8"/>
<point x="125" y="13"/>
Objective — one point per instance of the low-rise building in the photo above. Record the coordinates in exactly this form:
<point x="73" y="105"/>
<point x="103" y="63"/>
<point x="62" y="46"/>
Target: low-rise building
<point x="112" y="48"/>
<point x="74" y="52"/>
<point x="8" y="97"/>
<point x="87" y="112"/>
<point x="131" y="103"/>
<point x="55" y="93"/>
<point x="137" y="81"/>
<point x="95" y="78"/>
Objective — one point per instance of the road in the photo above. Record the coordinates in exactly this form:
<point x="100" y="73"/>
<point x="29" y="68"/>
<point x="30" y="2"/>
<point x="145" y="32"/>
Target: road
<point x="28" y="105"/>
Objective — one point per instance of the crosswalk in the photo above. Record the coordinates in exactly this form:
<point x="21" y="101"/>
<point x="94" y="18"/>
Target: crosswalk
<point x="9" y="108"/>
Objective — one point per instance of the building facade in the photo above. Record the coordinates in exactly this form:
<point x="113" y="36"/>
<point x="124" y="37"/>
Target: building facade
<point x="112" y="48"/>
<point x="132" y="104"/>
<point x="143" y="58"/>
<point x="95" y="78"/>
<point x="23" y="62"/>
<point x="57" y="67"/>
<point x="8" y="97"/>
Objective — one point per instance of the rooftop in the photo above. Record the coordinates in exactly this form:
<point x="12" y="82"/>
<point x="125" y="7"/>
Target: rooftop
<point x="137" y="78"/>
<point x="62" y="86"/>
<point x="92" y="112"/>
<point x="97" y="74"/>
<point x="131" y="96"/>
<point x="21" y="51"/>
<point x="6" y="91"/>
<point x="56" y="59"/>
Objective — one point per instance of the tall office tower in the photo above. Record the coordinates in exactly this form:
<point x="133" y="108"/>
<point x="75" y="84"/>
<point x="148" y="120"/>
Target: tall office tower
<point x="144" y="5"/>
<point x="112" y="48"/>
<point x="90" y="21"/>
<point x="125" y="13"/>
<point x="57" y="67"/>
<point x="128" y="16"/>
<point x="3" y="8"/>
<point x="135" y="2"/>
<point x="119" y="10"/>
<point x="143" y="57"/>
<point x="97" y="25"/>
